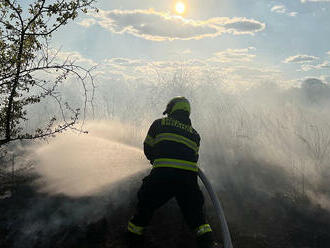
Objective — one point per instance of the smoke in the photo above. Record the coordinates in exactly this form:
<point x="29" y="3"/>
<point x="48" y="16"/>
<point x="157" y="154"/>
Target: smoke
<point x="256" y="144"/>
<point x="265" y="125"/>
<point x="81" y="179"/>
<point x="268" y="140"/>
<point x="268" y="124"/>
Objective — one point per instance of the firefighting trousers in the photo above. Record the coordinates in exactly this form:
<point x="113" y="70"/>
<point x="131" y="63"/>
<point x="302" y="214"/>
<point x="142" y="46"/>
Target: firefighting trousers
<point x="159" y="187"/>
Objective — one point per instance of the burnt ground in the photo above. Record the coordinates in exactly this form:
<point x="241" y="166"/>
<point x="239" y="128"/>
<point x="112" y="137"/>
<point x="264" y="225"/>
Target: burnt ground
<point x="33" y="219"/>
<point x="257" y="216"/>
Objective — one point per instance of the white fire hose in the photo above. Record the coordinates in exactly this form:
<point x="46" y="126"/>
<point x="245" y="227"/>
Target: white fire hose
<point x="218" y="209"/>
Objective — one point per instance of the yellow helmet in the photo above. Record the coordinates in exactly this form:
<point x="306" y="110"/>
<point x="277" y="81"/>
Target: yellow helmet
<point x="177" y="103"/>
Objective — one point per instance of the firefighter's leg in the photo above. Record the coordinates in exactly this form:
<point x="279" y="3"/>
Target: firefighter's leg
<point x="191" y="201"/>
<point x="152" y="195"/>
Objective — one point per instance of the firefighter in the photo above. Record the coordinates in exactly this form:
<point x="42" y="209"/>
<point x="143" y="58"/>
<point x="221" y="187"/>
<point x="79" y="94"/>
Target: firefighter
<point x="172" y="146"/>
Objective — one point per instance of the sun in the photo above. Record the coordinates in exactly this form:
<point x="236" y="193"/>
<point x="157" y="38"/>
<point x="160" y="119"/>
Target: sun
<point x="180" y="7"/>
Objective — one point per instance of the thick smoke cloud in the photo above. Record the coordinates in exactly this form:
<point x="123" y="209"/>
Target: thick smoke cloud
<point x="257" y="144"/>
<point x="266" y="124"/>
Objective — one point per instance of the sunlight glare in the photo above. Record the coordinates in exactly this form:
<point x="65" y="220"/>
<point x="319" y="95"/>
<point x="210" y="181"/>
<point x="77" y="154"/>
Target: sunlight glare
<point x="180" y="7"/>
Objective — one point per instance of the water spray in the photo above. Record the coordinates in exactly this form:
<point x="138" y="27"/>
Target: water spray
<point x="218" y="209"/>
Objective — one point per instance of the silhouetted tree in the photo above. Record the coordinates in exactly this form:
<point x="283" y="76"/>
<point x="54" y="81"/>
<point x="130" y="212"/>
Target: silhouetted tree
<point x="29" y="69"/>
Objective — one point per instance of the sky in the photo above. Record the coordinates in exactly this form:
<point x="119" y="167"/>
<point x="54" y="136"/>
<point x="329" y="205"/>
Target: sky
<point x="242" y="41"/>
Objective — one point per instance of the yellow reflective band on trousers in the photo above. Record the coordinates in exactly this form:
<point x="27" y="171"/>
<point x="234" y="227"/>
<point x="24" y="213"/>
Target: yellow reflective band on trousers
<point x="135" y="229"/>
<point x="175" y="163"/>
<point x="149" y="140"/>
<point x="176" y="138"/>
<point x="203" y="229"/>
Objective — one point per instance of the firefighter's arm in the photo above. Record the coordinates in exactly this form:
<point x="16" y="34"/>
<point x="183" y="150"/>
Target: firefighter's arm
<point x="148" y="144"/>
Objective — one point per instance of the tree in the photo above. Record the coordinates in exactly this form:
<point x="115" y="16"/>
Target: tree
<point x="30" y="71"/>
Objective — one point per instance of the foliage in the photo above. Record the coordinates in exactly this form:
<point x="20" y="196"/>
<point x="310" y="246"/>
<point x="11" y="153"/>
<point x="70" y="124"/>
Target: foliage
<point x="29" y="71"/>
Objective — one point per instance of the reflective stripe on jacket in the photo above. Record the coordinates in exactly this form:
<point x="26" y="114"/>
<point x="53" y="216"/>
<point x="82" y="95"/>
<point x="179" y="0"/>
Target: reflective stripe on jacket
<point x="175" y="163"/>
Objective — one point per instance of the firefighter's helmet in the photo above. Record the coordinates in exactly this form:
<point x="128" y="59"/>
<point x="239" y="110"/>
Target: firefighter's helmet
<point x="177" y="103"/>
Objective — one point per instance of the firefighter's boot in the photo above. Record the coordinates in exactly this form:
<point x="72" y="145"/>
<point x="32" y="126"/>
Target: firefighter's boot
<point x="134" y="240"/>
<point x="206" y="241"/>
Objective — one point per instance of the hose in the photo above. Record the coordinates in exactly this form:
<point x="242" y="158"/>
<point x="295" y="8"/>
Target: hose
<point x="218" y="209"/>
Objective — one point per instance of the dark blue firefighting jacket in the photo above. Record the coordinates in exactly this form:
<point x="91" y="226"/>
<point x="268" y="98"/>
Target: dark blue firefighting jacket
<point x="173" y="142"/>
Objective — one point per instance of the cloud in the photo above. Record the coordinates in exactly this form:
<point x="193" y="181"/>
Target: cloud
<point x="300" y="58"/>
<point x="252" y="72"/>
<point x="234" y="55"/>
<point x="324" y="65"/>
<point x="87" y="22"/>
<point x="124" y="62"/>
<point x="312" y="81"/>
<point x="293" y="14"/>
<point x="281" y="9"/>
<point x="328" y="53"/>
<point x="187" y="51"/>
<point x="315" y="90"/>
<point x="304" y="1"/>
<point x="158" y="26"/>
<point x="235" y="67"/>
<point x="326" y="78"/>
<point x="76" y="57"/>
<point x="241" y="25"/>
